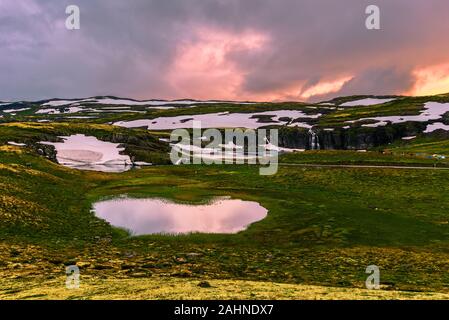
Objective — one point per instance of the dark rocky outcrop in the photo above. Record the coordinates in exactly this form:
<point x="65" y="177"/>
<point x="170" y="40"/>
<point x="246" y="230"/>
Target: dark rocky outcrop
<point x="141" y="147"/>
<point x="46" y="150"/>
<point x="347" y="139"/>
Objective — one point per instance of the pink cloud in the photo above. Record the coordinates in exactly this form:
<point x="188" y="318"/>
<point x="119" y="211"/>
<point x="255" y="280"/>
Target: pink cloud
<point x="325" y="87"/>
<point x="203" y="66"/>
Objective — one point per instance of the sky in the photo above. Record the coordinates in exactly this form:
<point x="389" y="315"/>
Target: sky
<point x="258" y="50"/>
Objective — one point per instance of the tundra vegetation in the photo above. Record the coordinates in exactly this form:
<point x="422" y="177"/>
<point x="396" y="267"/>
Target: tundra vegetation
<point x="331" y="213"/>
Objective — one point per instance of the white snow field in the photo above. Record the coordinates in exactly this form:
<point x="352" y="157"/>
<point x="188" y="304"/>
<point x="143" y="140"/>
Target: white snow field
<point x="432" y="111"/>
<point x="366" y="102"/>
<point x="218" y="120"/>
<point x="88" y="153"/>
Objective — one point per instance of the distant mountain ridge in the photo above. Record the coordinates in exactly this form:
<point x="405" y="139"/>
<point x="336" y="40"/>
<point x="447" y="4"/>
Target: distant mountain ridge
<point x="354" y="122"/>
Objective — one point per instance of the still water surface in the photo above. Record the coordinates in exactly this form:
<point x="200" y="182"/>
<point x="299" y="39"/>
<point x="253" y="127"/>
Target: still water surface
<point x="154" y="215"/>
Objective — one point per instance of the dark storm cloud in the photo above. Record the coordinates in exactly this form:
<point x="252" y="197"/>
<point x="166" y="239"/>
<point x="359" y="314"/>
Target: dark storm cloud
<point x="130" y="48"/>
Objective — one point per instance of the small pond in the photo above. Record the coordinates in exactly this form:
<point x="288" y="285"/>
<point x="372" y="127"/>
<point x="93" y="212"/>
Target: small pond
<point x="160" y="216"/>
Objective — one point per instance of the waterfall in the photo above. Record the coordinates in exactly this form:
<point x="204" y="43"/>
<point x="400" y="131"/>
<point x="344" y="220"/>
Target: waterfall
<point x="313" y="140"/>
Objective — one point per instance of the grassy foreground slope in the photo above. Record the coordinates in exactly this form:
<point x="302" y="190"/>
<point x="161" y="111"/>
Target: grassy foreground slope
<point x="179" y="288"/>
<point x="324" y="227"/>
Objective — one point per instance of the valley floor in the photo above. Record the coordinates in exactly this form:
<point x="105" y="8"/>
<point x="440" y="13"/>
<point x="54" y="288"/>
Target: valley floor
<point x="325" y="225"/>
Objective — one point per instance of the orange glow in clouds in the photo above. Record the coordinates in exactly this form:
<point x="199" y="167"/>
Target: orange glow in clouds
<point x="431" y="80"/>
<point x="325" y="87"/>
<point x="204" y="68"/>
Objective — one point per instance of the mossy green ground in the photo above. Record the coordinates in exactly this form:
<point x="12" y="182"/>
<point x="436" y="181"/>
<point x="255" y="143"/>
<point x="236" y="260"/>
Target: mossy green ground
<point x="423" y="146"/>
<point x="391" y="157"/>
<point x="324" y="227"/>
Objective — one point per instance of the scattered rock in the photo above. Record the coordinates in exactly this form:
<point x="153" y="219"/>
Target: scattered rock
<point x="127" y="266"/>
<point x="70" y="262"/>
<point x="204" y="284"/>
<point x="83" y="264"/>
<point x="140" y="275"/>
<point x="180" y="260"/>
<point x="193" y="254"/>
<point x="55" y="261"/>
<point x="101" y="267"/>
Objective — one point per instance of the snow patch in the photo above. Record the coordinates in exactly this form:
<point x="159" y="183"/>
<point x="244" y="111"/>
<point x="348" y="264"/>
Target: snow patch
<point x="88" y="153"/>
<point x="432" y="111"/>
<point x="436" y="126"/>
<point x="16" y="110"/>
<point x="366" y="102"/>
<point x="12" y="143"/>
